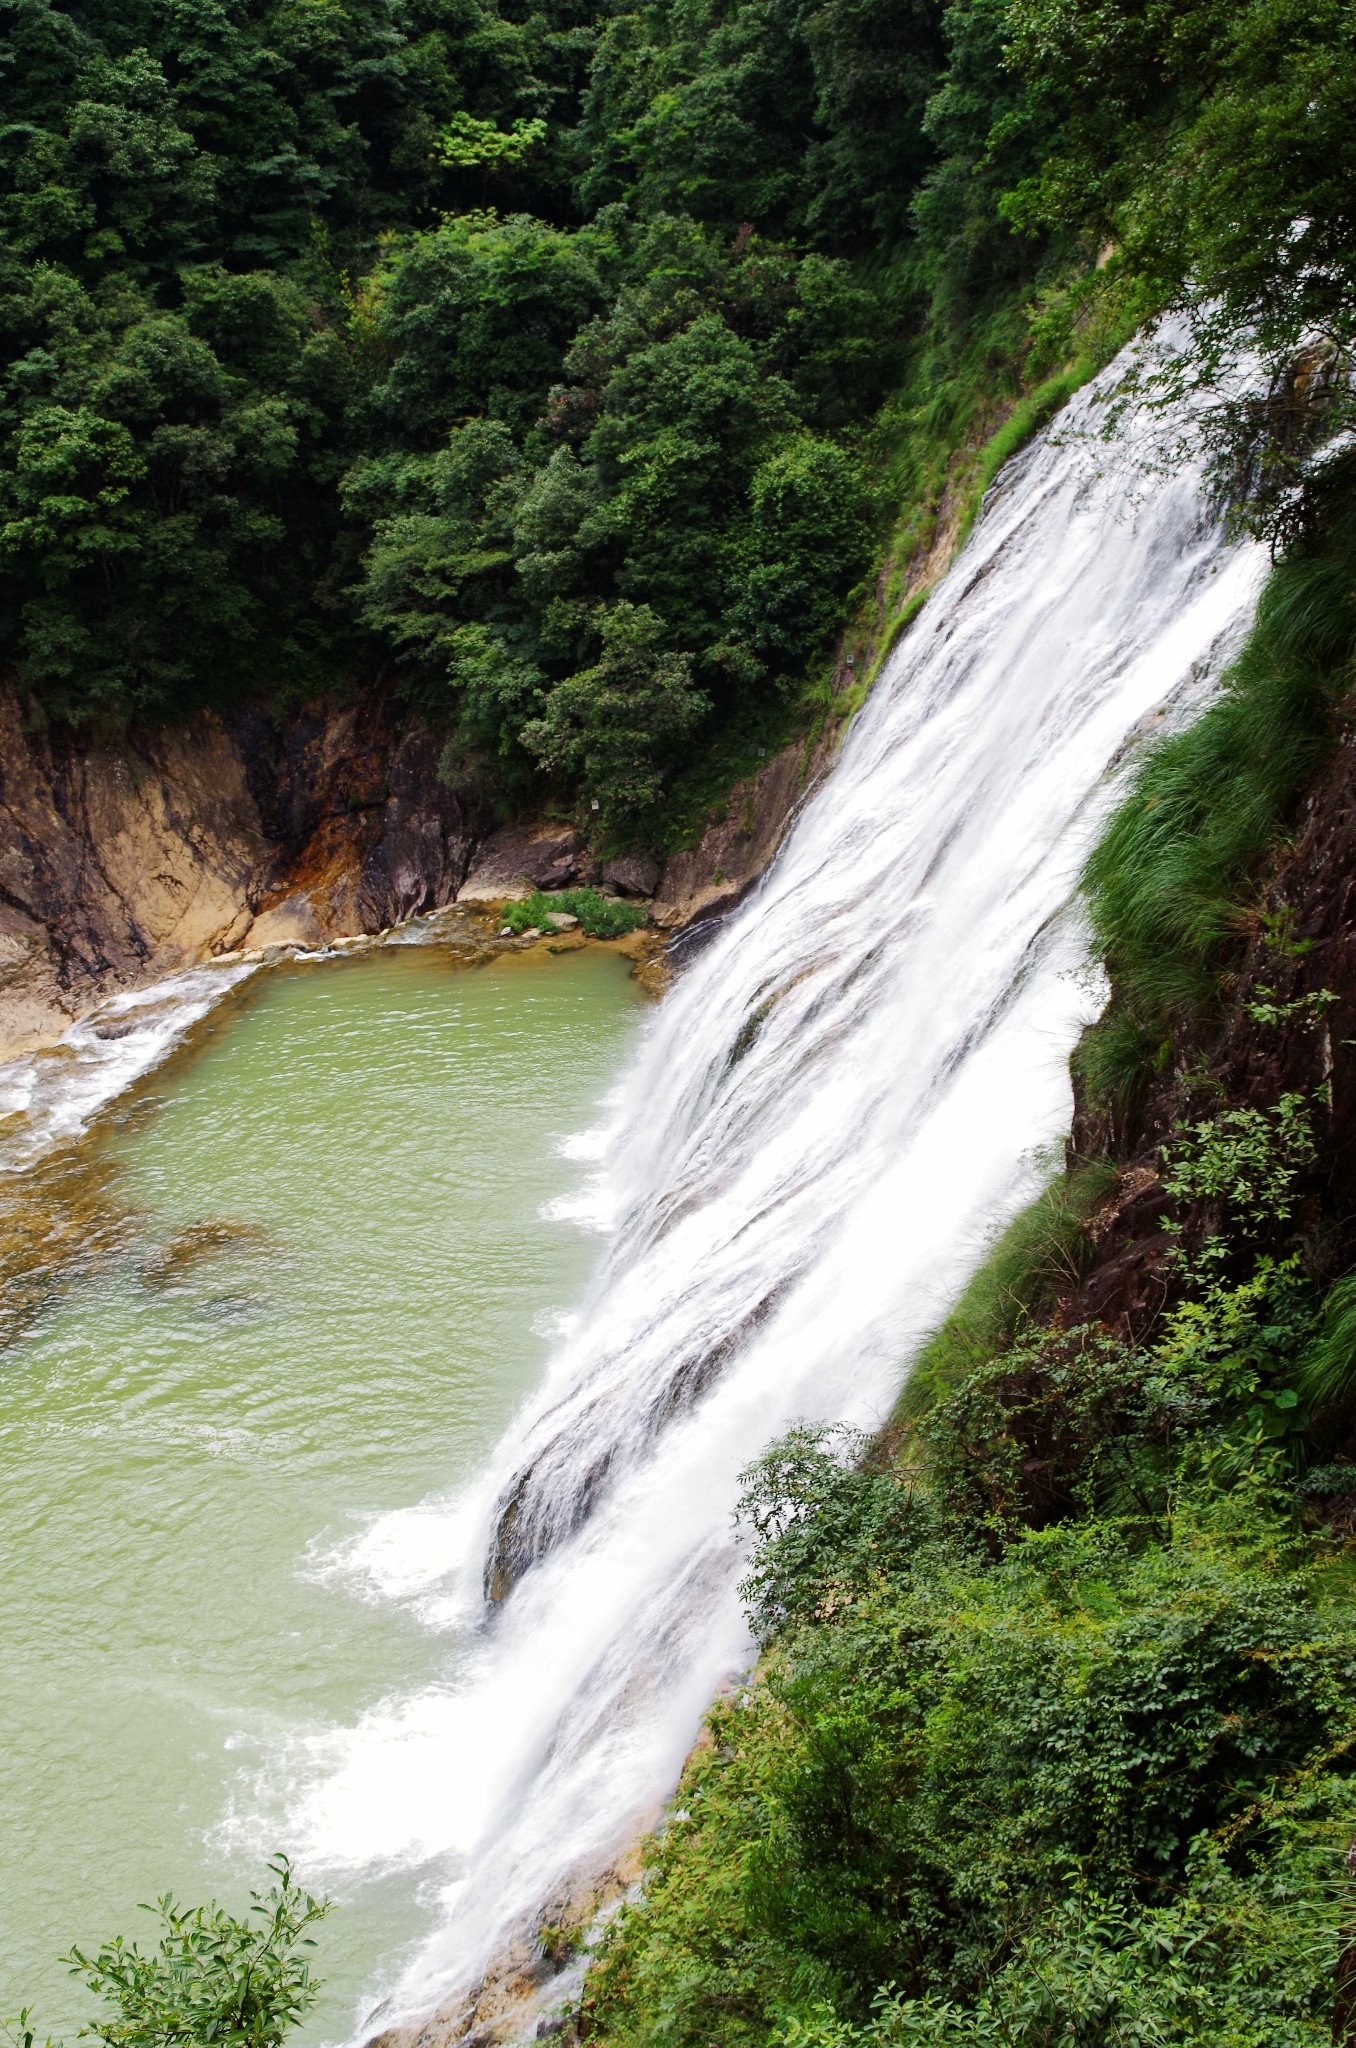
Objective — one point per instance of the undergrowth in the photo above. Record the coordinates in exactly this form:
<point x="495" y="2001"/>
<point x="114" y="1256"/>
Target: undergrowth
<point x="600" y="917"/>
<point x="1052" y="1736"/>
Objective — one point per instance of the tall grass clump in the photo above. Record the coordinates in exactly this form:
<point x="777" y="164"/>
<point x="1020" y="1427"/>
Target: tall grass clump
<point x="1170" y="882"/>
<point x="1039" y="1258"/>
<point x="1327" y="1374"/>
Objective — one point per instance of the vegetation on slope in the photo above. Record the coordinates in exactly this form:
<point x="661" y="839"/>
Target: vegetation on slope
<point x="1052" y="1738"/>
<point x="572" y="360"/>
<point x="1171" y="884"/>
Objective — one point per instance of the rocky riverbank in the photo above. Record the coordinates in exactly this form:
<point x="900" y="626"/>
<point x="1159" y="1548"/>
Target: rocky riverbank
<point x="123" y="862"/>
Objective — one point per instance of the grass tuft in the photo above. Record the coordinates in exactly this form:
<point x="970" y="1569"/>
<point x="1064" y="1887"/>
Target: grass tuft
<point x="1172" y="883"/>
<point x="1039" y="1257"/>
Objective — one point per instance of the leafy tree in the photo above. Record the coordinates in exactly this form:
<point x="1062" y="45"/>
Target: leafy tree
<point x="1209" y="141"/>
<point x="475" y="317"/>
<point x="808" y="540"/>
<point x="616" y="727"/>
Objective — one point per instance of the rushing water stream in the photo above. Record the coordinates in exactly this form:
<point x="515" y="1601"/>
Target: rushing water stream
<point x="846" y="1091"/>
<point x="324" y="1293"/>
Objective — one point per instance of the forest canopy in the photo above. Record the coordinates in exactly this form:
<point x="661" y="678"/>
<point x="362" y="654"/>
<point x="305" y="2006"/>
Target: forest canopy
<point x="550" y="356"/>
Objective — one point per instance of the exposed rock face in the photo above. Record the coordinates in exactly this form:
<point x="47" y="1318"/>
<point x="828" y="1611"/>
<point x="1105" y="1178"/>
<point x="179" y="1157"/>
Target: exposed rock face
<point x="520" y="858"/>
<point x="121" y="865"/>
<point x="369" y="835"/>
<point x="520" y="1995"/>
<point x="115" y="865"/>
<point x="714" y="875"/>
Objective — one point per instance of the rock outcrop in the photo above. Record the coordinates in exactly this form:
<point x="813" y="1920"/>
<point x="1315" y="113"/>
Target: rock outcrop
<point x="122" y="864"/>
<point x="520" y="858"/>
<point x="734" y="851"/>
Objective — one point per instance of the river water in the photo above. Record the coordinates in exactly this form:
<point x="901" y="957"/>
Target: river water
<point x="328" y="1268"/>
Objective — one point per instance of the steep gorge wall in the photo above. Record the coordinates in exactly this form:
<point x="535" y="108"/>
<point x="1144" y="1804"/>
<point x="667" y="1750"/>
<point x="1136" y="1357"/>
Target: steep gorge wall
<point x="1288" y="1025"/>
<point x="119" y="865"/>
<point x="124" y="863"/>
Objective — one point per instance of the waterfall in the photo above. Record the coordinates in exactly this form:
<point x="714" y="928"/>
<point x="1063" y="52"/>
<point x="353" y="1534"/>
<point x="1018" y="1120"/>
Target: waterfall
<point x="845" y="1093"/>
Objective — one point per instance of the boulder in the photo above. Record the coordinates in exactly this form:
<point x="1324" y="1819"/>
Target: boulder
<point x="514" y="861"/>
<point x="633" y="874"/>
<point x="292" y="922"/>
<point x="561" y="920"/>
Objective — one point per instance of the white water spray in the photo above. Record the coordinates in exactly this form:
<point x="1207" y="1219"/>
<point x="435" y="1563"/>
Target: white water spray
<point x="837" y="1103"/>
<point x="48" y="1098"/>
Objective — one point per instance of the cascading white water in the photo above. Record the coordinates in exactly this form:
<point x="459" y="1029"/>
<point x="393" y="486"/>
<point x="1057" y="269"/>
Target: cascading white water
<point x="49" y="1097"/>
<point x="838" y="1101"/>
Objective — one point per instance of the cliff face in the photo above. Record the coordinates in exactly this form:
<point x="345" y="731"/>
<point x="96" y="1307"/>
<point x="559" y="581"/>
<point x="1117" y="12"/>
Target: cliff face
<point x="123" y="864"/>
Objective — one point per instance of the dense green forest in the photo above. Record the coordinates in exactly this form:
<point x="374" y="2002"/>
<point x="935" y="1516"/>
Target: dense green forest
<point x="573" y="363"/>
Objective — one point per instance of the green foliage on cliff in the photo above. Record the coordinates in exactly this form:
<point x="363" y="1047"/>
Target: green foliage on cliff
<point x="1172" y="885"/>
<point x="569" y="361"/>
<point x="1052" y="1735"/>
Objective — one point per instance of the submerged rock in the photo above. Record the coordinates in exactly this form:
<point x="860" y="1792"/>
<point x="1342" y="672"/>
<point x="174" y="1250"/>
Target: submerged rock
<point x="201" y="1242"/>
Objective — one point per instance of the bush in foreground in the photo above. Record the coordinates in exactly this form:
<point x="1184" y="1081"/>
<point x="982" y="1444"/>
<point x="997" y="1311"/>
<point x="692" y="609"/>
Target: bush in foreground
<point x="211" y="1981"/>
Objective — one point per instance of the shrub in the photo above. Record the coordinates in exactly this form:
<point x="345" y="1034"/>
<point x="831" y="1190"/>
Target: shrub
<point x="1111" y="1745"/>
<point x="827" y="1526"/>
<point x="212" y="1981"/>
<point x="600" y="917"/>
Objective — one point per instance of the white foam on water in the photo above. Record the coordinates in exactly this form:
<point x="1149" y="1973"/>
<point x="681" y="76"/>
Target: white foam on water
<point x="50" y="1097"/>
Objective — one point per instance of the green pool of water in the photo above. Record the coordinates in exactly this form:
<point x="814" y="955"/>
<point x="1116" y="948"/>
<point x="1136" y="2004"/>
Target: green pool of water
<point x="331" y="1294"/>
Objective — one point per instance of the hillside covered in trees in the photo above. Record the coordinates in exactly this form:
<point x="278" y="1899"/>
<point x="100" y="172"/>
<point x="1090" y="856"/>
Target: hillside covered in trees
<point x="572" y="364"/>
<point x="578" y="371"/>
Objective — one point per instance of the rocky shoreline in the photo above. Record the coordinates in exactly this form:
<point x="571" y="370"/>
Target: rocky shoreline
<point x="123" y="863"/>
